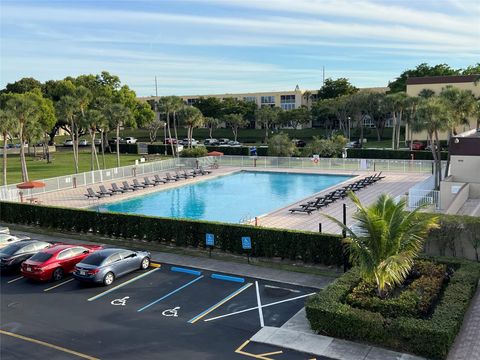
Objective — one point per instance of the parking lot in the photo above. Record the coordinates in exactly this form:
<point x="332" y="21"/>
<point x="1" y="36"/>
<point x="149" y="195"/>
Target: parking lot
<point x="166" y="312"/>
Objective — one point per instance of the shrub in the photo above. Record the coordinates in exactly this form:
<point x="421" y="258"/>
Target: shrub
<point x="432" y="337"/>
<point x="286" y="244"/>
<point x="392" y="154"/>
<point x="194" y="152"/>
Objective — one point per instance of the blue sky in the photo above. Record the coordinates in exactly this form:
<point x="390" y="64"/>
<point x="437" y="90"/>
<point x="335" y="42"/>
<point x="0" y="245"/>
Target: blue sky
<point x="216" y="46"/>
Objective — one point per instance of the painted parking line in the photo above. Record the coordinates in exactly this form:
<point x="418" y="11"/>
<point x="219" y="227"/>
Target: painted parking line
<point x="240" y="351"/>
<point x="54" y="287"/>
<point x="170" y="293"/>
<point x="259" y="305"/>
<point x="256" y="307"/>
<point x="43" y="343"/>
<point x="11" y="281"/>
<point x="220" y="303"/>
<point x="122" y="284"/>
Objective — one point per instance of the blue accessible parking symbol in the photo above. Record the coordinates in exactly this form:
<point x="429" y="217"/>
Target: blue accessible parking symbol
<point x="246" y="242"/>
<point x="209" y="239"/>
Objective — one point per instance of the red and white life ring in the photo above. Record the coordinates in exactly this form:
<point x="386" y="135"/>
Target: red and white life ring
<point x="315" y="160"/>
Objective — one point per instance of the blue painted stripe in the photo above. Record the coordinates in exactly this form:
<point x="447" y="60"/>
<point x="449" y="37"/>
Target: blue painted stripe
<point x="228" y="278"/>
<point x="220" y="303"/>
<point x="170" y="293"/>
<point x="185" y="270"/>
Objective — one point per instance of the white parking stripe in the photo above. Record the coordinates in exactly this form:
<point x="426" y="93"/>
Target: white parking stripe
<point x="256" y="307"/>
<point x="53" y="287"/>
<point x="123" y="284"/>
<point x="11" y="281"/>
<point x="259" y="306"/>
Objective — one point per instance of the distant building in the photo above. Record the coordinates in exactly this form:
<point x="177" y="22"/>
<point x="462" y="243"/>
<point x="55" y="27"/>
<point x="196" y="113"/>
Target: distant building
<point x="287" y="100"/>
<point x="437" y="83"/>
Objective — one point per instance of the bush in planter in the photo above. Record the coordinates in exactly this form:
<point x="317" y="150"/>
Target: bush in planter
<point x="194" y="152"/>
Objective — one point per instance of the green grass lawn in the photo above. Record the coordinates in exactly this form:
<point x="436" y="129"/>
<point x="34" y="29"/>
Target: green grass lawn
<point x="62" y="164"/>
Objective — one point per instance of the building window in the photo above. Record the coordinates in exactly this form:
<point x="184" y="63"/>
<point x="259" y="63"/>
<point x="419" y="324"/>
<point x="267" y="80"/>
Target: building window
<point x="191" y="101"/>
<point x="268" y="99"/>
<point x="250" y="99"/>
<point x="287" y="106"/>
<point x="287" y="99"/>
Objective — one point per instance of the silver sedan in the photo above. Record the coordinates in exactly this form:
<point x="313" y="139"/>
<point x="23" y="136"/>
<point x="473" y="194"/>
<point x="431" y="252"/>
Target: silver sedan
<point x="104" y="266"/>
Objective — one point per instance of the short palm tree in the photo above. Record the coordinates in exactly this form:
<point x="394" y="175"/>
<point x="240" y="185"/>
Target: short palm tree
<point x="385" y="240"/>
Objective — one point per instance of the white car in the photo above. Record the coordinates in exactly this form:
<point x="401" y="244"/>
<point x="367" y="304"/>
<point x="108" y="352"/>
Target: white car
<point x="130" y="140"/>
<point x="7" y="239"/>
<point x="234" y="143"/>
<point x="83" y="143"/>
<point x="4" y="230"/>
<point x="68" y="142"/>
<point x="185" y="142"/>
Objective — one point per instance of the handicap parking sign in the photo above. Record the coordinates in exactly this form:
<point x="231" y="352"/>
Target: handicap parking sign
<point x="246" y="242"/>
<point x="210" y="239"/>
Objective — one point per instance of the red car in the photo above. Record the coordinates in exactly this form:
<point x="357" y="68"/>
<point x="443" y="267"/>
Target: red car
<point x="418" y="145"/>
<point x="169" y="141"/>
<point x="54" y="262"/>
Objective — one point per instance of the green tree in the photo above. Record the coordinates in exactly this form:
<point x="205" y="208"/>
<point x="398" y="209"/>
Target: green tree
<point x="119" y="115"/>
<point x="67" y="108"/>
<point x="332" y="147"/>
<point x="472" y="70"/>
<point x="235" y="122"/>
<point x="267" y="117"/>
<point x="300" y="116"/>
<point x="191" y="118"/>
<point x="334" y="88"/>
<point x="7" y="127"/>
<point x="212" y="123"/>
<point x="24" y="112"/>
<point x="386" y="240"/>
<point x="397" y="103"/>
<point x="400" y="83"/>
<point x="432" y="116"/>
<point x="22" y="86"/>
<point x="210" y="106"/>
<point x="93" y="121"/>
<point x="281" y="145"/>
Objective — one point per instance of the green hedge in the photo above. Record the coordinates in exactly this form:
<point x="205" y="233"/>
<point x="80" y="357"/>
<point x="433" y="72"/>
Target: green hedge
<point x="266" y="242"/>
<point x="392" y="154"/>
<point x="329" y="314"/>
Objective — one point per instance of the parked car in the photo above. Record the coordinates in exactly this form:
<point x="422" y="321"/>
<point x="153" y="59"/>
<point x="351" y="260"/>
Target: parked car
<point x="210" y="142"/>
<point x="169" y="141"/>
<point x="130" y="140"/>
<point x="68" y="142"/>
<point x="106" y="265"/>
<point x="234" y="143"/>
<point x="186" y="141"/>
<point x="418" y="145"/>
<point x="113" y="140"/>
<point x="299" y="143"/>
<point x="353" y="144"/>
<point x="223" y="141"/>
<point x="98" y="142"/>
<point x="8" y="239"/>
<point x="83" y="142"/>
<point x="56" y="261"/>
<point x="12" y="256"/>
<point x="4" y="230"/>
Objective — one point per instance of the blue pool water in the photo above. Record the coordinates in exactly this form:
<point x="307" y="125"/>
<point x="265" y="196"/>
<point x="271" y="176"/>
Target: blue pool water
<point x="230" y="198"/>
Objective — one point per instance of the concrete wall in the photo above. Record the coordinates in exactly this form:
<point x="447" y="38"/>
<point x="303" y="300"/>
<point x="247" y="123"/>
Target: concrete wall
<point x="446" y="194"/>
<point x="458" y="200"/>
<point x="465" y="168"/>
<point x="459" y="246"/>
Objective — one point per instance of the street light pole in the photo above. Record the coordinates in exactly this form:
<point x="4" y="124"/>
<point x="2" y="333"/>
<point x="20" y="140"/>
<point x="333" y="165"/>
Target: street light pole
<point x="349" y="128"/>
<point x="344" y="235"/>
<point x="165" y="137"/>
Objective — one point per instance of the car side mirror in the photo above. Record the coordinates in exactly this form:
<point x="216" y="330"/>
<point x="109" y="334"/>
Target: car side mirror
<point x="134" y="254"/>
<point x="86" y="252"/>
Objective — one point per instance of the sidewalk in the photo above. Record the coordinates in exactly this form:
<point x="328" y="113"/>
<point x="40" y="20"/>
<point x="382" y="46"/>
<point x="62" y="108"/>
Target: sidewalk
<point x="288" y="277"/>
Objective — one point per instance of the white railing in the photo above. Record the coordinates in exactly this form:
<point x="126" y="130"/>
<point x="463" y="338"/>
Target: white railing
<point x="405" y="166"/>
<point x="418" y="197"/>
<point x="11" y="192"/>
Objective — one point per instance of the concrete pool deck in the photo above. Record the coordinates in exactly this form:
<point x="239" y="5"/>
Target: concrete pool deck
<point x="394" y="183"/>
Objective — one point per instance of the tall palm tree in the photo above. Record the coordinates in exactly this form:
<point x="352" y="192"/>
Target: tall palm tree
<point x="7" y="126"/>
<point x="190" y="117"/>
<point x="397" y="103"/>
<point x="67" y="108"/>
<point x="165" y="105"/>
<point x="119" y="115"/>
<point x="432" y="116"/>
<point x="386" y="240"/>
<point x="212" y="123"/>
<point x="177" y="105"/>
<point x="93" y="121"/>
<point x="24" y="111"/>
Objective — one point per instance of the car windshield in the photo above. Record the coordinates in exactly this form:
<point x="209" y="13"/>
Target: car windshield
<point x="41" y="257"/>
<point x="94" y="259"/>
<point x="10" y="250"/>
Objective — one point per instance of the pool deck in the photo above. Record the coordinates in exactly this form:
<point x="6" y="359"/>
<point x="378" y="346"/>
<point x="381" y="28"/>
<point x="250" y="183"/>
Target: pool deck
<point x="394" y="183"/>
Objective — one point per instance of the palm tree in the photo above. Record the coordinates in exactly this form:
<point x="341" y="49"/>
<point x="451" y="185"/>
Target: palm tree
<point x="397" y="103"/>
<point x="432" y="116"/>
<point x="386" y="240"/>
<point x="23" y="111"/>
<point x="119" y="115"/>
<point x="177" y="105"/>
<point x="7" y="126"/>
<point x="93" y="121"/>
<point x="165" y="105"/>
<point x="212" y="123"/>
<point x="66" y="108"/>
<point x="191" y="118"/>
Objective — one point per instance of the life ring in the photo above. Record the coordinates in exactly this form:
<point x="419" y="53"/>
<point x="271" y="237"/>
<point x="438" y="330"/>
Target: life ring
<point x="315" y="160"/>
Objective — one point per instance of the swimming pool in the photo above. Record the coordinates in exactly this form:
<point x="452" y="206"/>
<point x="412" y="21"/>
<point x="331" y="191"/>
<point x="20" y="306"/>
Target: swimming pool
<point x="230" y="198"/>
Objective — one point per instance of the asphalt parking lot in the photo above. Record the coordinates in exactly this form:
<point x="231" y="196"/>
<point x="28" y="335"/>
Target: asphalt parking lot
<point x="165" y="312"/>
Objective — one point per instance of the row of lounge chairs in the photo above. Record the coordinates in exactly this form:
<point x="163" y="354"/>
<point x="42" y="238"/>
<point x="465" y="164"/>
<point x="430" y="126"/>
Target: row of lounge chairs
<point x="147" y="182"/>
<point x="325" y="200"/>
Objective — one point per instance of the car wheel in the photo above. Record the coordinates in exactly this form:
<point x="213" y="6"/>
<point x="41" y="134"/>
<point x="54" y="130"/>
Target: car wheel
<point x="145" y="263"/>
<point x="108" y="279"/>
<point x="57" y="274"/>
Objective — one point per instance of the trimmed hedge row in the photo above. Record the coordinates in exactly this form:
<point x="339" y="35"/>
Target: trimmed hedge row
<point x="266" y="242"/>
<point x="329" y="314"/>
<point x="392" y="154"/>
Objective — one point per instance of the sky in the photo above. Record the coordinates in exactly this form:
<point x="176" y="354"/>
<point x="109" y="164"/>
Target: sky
<point x="226" y="46"/>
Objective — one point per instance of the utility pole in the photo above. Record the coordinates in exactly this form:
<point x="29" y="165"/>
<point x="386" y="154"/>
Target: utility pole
<point x="156" y="88"/>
